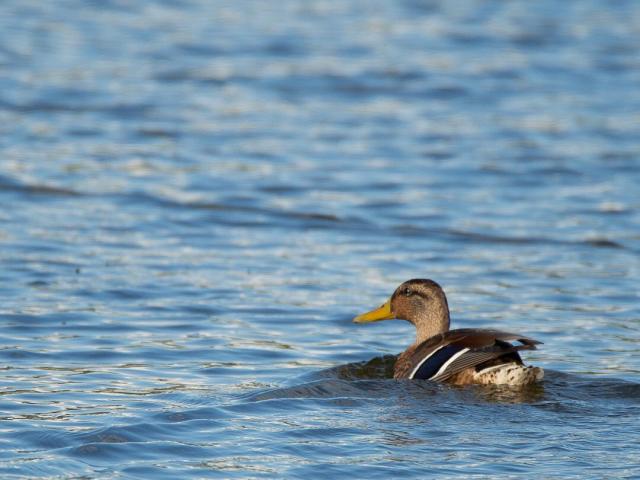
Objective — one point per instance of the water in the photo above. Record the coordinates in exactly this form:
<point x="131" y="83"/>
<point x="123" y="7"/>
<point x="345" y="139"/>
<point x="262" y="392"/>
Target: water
<point x="197" y="197"/>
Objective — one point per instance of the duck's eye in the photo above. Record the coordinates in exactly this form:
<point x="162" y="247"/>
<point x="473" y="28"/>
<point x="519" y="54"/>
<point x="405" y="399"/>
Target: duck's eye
<point x="407" y="292"/>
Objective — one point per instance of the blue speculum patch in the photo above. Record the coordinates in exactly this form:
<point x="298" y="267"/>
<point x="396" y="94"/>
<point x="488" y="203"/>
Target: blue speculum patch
<point x="432" y="364"/>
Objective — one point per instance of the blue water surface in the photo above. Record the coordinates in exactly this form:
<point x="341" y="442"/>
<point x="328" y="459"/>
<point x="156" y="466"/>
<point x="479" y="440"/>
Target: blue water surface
<point x="198" y="196"/>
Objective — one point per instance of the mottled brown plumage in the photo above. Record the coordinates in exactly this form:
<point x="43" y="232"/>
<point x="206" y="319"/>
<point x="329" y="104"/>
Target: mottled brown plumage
<point x="459" y="356"/>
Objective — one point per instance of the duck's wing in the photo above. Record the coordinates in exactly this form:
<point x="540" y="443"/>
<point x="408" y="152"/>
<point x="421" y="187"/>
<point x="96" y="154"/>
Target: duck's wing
<point x="446" y="354"/>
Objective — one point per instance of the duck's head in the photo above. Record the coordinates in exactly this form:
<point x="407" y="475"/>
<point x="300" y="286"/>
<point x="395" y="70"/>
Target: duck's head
<point x="419" y="301"/>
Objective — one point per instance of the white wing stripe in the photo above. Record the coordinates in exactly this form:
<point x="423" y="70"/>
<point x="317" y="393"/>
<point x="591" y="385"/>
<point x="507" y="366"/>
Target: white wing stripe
<point x="443" y="367"/>
<point x="448" y="362"/>
<point x="415" y="370"/>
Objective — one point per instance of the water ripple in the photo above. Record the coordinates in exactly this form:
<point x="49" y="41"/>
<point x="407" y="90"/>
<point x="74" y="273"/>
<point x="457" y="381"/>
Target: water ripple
<point x="198" y="199"/>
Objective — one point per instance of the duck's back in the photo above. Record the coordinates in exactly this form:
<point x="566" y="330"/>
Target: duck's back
<point x="468" y="355"/>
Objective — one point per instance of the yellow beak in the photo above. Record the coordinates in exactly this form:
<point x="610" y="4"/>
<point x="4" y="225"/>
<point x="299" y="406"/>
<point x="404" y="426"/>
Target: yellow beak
<point x="382" y="313"/>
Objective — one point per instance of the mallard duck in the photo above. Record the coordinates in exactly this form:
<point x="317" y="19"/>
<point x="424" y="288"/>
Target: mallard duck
<point x="460" y="357"/>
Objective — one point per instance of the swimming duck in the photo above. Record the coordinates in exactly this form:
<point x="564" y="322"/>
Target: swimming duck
<point x="460" y="357"/>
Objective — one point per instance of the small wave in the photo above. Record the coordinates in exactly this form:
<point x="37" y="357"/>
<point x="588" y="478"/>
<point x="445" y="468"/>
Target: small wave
<point x="10" y="185"/>
<point x="374" y="379"/>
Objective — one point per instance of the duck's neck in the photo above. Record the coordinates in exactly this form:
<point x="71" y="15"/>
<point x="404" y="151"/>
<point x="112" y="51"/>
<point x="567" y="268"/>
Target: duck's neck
<point x="432" y="323"/>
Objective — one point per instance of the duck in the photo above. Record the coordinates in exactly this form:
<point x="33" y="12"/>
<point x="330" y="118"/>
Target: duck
<point x="459" y="357"/>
